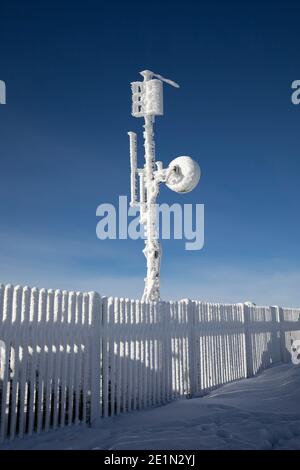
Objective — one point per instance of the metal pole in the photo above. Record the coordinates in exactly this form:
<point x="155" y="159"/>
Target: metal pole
<point x="152" y="249"/>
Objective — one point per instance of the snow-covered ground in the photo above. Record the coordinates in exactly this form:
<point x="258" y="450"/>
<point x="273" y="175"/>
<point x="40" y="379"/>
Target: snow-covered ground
<point x="258" y="413"/>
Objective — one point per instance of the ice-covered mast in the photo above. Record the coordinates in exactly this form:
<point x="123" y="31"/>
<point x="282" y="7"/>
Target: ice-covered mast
<point x="182" y="175"/>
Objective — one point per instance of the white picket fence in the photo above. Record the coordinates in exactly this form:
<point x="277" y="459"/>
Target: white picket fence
<point x="67" y="358"/>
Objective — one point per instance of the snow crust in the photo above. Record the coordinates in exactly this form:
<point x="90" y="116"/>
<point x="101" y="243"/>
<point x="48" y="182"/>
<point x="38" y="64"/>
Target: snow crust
<point x="258" y="413"/>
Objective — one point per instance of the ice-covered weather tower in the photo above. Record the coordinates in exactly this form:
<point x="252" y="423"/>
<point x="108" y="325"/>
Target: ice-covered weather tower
<point x="182" y="175"/>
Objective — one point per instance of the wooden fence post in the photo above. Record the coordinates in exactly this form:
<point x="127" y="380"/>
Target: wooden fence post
<point x="285" y="356"/>
<point x="248" y="344"/>
<point x="190" y="306"/>
<point x="95" y="348"/>
<point x="168" y="362"/>
<point x="276" y="351"/>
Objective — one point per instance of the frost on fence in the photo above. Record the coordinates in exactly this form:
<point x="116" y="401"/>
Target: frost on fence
<point x="70" y="357"/>
<point x="289" y="319"/>
<point x="46" y="359"/>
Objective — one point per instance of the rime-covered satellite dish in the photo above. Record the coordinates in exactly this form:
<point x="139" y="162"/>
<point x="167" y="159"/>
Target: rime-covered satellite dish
<point x="183" y="175"/>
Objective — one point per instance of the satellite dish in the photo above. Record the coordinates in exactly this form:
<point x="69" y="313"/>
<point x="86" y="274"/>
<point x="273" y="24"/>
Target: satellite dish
<point x="183" y="175"/>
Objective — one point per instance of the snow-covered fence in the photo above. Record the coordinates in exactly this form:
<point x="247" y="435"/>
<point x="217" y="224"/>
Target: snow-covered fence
<point x="68" y="358"/>
<point x="49" y="359"/>
<point x="289" y="329"/>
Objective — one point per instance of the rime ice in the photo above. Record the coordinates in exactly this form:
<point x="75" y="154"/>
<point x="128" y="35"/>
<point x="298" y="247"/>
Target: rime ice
<point x="182" y="175"/>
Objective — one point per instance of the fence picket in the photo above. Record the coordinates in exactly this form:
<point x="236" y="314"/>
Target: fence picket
<point x="23" y="394"/>
<point x="16" y="320"/>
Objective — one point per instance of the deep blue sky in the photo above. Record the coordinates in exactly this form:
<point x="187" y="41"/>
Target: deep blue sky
<point x="64" y="145"/>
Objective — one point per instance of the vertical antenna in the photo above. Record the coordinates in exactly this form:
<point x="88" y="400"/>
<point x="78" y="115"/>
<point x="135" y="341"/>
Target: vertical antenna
<point x="147" y="102"/>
